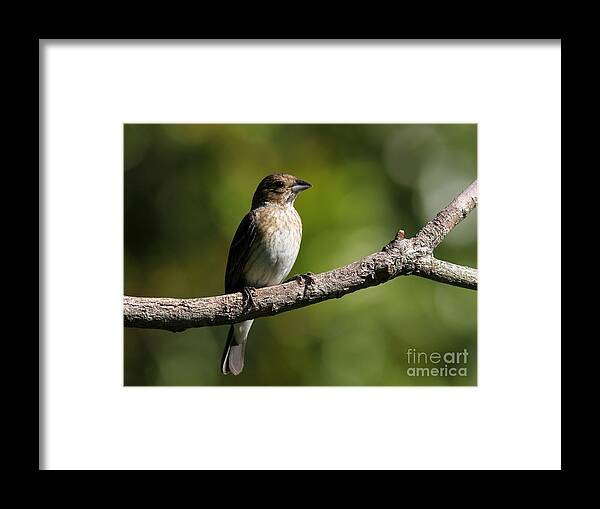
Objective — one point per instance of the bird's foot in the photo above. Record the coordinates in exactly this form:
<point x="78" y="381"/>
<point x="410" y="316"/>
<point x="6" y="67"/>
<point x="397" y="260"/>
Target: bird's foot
<point x="305" y="280"/>
<point x="308" y="278"/>
<point x="301" y="279"/>
<point x="248" y="299"/>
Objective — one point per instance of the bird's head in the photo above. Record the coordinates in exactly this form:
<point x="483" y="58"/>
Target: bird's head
<point x="278" y="188"/>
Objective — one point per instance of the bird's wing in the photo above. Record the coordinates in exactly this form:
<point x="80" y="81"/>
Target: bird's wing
<point x="241" y="247"/>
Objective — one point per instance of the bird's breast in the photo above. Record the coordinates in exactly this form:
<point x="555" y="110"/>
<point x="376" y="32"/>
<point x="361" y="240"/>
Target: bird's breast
<point x="277" y="246"/>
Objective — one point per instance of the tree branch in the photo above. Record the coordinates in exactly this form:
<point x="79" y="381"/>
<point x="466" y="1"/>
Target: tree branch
<point x="401" y="257"/>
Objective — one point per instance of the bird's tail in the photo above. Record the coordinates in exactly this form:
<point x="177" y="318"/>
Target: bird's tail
<point x="235" y="348"/>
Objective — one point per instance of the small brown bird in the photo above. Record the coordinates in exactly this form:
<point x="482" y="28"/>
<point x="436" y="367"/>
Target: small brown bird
<point x="262" y="252"/>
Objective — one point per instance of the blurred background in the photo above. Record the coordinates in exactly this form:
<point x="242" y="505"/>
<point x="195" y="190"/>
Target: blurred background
<point x="188" y="186"/>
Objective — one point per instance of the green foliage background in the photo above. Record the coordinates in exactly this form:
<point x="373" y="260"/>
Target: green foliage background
<point x="188" y="186"/>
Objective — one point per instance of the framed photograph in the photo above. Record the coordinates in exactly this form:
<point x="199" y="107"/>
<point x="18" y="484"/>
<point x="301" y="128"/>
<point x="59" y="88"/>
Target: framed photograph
<point x="300" y="255"/>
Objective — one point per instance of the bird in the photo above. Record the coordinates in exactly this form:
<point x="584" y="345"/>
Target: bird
<point x="262" y="252"/>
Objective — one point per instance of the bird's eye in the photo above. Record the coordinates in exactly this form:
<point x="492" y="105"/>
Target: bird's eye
<point x="278" y="184"/>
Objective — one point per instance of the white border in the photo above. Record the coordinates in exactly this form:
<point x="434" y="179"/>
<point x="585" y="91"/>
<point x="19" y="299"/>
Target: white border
<point x="512" y="420"/>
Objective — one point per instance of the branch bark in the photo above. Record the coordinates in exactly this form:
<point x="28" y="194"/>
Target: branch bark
<point x="401" y="257"/>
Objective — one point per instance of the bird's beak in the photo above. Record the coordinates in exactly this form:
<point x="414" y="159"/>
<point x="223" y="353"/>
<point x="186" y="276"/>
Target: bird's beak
<point x="300" y="185"/>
